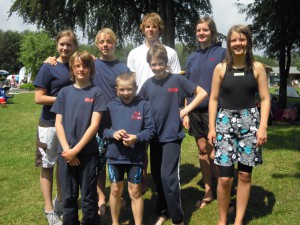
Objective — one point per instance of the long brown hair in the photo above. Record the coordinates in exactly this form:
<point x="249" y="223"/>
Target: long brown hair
<point x="212" y="26"/>
<point x="241" y="29"/>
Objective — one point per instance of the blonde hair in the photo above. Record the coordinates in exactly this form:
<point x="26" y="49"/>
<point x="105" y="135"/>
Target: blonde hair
<point x="106" y="31"/>
<point x="154" y="19"/>
<point x="86" y="59"/>
<point x="126" y="77"/>
<point x="67" y="33"/>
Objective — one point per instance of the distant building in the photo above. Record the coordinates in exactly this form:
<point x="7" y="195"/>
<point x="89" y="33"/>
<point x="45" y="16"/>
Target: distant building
<point x="274" y="78"/>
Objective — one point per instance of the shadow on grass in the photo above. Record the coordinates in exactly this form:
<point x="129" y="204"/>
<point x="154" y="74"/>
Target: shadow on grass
<point x="187" y="173"/>
<point x="260" y="204"/>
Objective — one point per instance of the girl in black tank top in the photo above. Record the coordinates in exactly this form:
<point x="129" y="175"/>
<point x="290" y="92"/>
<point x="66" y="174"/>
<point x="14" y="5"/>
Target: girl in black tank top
<point x="239" y="130"/>
<point x="238" y="89"/>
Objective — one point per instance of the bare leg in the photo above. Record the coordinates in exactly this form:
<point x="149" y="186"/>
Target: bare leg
<point x="242" y="196"/>
<point x="137" y="202"/>
<point x="46" y="180"/>
<point x="223" y="192"/>
<point x="205" y="165"/>
<point x="116" y="190"/>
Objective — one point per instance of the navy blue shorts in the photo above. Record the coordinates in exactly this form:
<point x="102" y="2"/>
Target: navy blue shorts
<point x="116" y="173"/>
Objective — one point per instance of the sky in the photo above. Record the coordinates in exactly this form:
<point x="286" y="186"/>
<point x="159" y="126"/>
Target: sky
<point x="225" y="14"/>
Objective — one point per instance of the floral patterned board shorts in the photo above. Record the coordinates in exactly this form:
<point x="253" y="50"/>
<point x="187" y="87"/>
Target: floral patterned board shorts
<point x="102" y="146"/>
<point x="236" y="137"/>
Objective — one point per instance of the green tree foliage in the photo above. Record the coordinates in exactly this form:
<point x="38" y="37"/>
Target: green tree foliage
<point x="266" y="61"/>
<point x="9" y="49"/>
<point x="124" y="17"/>
<point x="90" y="48"/>
<point x="296" y="61"/>
<point x="276" y="28"/>
<point x="35" y="48"/>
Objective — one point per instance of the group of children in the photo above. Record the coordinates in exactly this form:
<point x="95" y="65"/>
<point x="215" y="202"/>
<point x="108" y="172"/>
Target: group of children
<point x="87" y="112"/>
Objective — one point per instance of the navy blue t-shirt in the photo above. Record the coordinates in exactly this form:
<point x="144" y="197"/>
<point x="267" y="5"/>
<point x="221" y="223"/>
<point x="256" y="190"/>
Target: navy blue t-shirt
<point x="52" y="78"/>
<point x="136" y="119"/>
<point x="76" y="107"/>
<point x="105" y="76"/>
<point x="200" y="66"/>
<point x="165" y="97"/>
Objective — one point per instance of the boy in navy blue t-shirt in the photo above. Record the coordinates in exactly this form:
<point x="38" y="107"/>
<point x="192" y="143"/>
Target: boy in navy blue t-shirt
<point x="132" y="127"/>
<point x="165" y="92"/>
<point x="78" y="109"/>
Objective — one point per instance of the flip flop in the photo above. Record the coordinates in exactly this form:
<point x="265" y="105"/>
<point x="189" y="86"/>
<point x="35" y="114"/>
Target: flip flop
<point x="102" y="209"/>
<point x="203" y="201"/>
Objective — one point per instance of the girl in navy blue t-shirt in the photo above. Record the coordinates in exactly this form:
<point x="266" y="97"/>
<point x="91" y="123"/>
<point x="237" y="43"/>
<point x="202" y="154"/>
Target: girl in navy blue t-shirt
<point x="165" y="92"/>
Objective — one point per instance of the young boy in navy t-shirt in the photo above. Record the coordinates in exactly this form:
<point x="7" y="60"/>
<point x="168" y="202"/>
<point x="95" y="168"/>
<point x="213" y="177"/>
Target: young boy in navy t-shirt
<point x="78" y="109"/>
<point x="132" y="127"/>
<point x="166" y="92"/>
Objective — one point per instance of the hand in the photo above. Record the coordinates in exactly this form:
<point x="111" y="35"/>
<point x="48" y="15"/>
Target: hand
<point x="74" y="162"/>
<point x="211" y="137"/>
<point x="68" y="155"/>
<point x="118" y="135"/>
<point x="261" y="136"/>
<point x="51" y="60"/>
<point x="186" y="122"/>
<point x="129" y="140"/>
<point x="94" y="57"/>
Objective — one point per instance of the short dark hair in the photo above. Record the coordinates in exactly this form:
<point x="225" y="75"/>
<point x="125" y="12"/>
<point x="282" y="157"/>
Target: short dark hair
<point x="157" y="51"/>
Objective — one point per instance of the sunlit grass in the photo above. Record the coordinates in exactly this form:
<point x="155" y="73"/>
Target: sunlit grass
<point x="274" y="195"/>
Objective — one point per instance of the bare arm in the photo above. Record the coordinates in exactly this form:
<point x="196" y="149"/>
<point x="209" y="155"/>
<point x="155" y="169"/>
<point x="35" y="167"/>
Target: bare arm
<point x="186" y="119"/>
<point x="262" y="82"/>
<point x="41" y="98"/>
<point x="213" y="101"/>
<point x="201" y="95"/>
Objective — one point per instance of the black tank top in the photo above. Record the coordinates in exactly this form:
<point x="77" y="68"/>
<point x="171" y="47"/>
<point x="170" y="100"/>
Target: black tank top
<point x="238" y="89"/>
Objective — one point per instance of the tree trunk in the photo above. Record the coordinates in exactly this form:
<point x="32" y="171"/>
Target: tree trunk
<point x="284" y="72"/>
<point x="166" y="9"/>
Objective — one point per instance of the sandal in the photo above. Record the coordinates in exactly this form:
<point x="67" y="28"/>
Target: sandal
<point x="102" y="209"/>
<point x="201" y="202"/>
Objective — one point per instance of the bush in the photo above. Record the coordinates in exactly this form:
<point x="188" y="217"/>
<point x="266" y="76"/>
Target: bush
<point x="27" y="86"/>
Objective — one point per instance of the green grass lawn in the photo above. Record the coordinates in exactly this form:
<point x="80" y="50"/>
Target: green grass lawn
<point x="275" y="184"/>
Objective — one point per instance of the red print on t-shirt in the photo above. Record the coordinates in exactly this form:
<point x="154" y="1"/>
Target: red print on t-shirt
<point x="173" y="89"/>
<point x="89" y="100"/>
<point x="212" y="59"/>
<point x="136" y="116"/>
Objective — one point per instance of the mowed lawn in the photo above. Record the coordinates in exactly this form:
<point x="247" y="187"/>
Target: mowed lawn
<point x="275" y="185"/>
